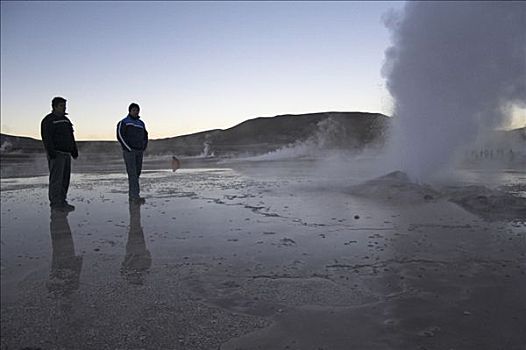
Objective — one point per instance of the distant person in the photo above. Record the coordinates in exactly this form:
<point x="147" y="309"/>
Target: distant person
<point x="176" y="164"/>
<point x="133" y="137"/>
<point x="57" y="135"/>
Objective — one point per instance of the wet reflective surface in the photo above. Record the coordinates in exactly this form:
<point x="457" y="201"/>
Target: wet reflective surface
<point x="249" y="258"/>
<point x="66" y="266"/>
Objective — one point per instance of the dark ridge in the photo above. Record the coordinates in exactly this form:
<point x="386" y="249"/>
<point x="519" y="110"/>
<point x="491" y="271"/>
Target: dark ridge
<point x="265" y="134"/>
<point x="254" y="136"/>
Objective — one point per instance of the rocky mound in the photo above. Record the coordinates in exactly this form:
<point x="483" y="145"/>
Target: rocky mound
<point x="395" y="186"/>
<point x="490" y="204"/>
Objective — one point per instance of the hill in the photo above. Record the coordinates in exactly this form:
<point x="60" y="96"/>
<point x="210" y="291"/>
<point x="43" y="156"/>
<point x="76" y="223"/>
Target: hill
<point x="262" y="135"/>
<point x="254" y="136"/>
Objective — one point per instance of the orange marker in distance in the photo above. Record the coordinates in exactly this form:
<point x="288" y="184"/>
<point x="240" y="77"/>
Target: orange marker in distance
<point x="175" y="163"/>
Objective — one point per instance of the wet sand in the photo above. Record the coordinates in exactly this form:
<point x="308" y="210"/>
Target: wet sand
<point x="250" y="259"/>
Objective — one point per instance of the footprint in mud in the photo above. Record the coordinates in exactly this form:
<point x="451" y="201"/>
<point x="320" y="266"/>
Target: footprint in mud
<point x="231" y="284"/>
<point x="392" y="322"/>
<point x="429" y="331"/>
<point x="287" y="241"/>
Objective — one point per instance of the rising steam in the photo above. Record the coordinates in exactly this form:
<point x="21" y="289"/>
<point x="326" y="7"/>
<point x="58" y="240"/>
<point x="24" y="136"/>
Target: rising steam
<point x="454" y="70"/>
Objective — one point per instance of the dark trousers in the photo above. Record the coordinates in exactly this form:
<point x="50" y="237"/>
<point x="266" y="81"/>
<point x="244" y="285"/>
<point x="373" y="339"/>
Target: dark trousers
<point x="133" y="161"/>
<point x="59" y="175"/>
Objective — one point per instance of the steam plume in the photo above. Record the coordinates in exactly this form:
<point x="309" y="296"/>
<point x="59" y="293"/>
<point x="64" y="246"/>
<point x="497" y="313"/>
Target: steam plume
<point x="454" y="69"/>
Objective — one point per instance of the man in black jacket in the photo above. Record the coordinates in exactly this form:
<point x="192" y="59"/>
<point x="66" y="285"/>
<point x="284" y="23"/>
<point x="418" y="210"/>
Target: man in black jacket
<point x="133" y="137"/>
<point x="57" y="135"/>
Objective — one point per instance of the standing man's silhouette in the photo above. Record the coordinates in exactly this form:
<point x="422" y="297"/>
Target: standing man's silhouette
<point x="57" y="135"/>
<point x="133" y="137"/>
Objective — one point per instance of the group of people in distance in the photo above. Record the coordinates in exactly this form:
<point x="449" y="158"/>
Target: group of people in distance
<point x="59" y="143"/>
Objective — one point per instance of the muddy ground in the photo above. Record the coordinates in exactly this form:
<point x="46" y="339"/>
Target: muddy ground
<point x="249" y="257"/>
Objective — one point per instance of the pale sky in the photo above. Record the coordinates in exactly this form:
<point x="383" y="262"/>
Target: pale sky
<point x="191" y="66"/>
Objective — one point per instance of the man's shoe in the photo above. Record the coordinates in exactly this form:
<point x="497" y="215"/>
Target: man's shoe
<point x="65" y="208"/>
<point x="138" y="200"/>
<point x="69" y="207"/>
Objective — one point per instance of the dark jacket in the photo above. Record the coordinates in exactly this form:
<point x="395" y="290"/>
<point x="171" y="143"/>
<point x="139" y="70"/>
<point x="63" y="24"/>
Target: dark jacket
<point x="132" y="134"/>
<point x="57" y="135"/>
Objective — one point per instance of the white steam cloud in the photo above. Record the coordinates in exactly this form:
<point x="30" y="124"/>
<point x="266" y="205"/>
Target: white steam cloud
<point x="454" y="70"/>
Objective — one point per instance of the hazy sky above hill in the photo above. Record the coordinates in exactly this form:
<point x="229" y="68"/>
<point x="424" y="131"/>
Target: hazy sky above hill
<point x="192" y="66"/>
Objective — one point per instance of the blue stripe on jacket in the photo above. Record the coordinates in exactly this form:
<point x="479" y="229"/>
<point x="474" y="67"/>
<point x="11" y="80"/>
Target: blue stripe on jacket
<point x="132" y="134"/>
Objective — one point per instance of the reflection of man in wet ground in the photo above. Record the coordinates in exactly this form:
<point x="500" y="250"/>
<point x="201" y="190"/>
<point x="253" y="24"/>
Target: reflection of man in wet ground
<point x="65" y="265"/>
<point x="138" y="259"/>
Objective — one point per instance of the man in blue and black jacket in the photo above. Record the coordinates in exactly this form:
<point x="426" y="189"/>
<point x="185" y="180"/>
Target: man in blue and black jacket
<point x="133" y="137"/>
<point x="57" y="135"/>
